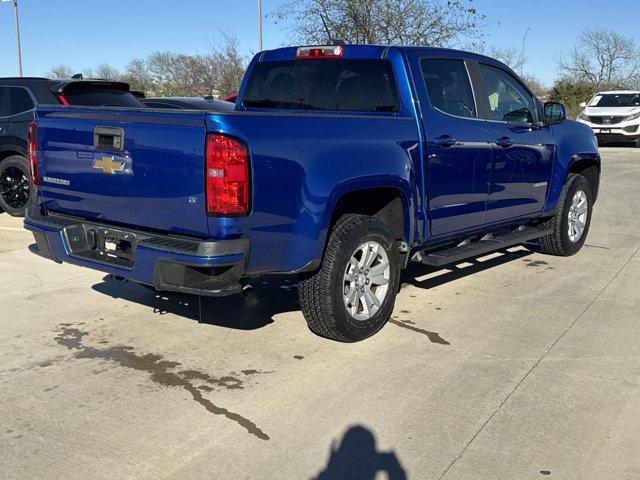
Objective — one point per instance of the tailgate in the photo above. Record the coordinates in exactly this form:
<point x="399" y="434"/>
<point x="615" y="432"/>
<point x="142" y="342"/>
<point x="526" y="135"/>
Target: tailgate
<point x="127" y="167"/>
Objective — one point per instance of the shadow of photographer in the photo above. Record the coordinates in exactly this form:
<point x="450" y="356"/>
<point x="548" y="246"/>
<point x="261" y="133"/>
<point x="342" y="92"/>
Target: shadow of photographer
<point x="357" y="457"/>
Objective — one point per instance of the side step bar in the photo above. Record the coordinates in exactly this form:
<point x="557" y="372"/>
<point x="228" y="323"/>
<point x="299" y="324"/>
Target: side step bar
<point x="473" y="249"/>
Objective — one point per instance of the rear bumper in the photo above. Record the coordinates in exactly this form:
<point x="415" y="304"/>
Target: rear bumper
<point x="168" y="262"/>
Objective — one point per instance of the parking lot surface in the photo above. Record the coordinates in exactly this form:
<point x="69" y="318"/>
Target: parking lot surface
<point x="514" y="365"/>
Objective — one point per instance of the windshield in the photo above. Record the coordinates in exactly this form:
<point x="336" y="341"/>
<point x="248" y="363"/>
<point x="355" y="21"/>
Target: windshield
<point x="616" y="100"/>
<point x="359" y="85"/>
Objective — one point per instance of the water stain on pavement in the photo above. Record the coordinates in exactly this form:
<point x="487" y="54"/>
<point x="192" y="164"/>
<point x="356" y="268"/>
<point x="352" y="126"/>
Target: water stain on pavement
<point x="434" y="337"/>
<point x="162" y="372"/>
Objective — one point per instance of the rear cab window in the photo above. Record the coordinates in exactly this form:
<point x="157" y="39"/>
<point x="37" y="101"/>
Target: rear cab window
<point x="97" y="95"/>
<point x="323" y="84"/>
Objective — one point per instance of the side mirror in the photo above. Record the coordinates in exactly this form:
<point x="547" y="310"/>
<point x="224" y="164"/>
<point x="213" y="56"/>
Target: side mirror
<point x="583" y="105"/>
<point x="554" y="113"/>
<point x="521" y="116"/>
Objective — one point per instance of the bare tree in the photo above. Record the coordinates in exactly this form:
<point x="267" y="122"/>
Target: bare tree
<point x="603" y="58"/>
<point x="217" y="73"/>
<point x="137" y="75"/>
<point x="60" y="71"/>
<point x="107" y="72"/>
<point x="536" y="86"/>
<point x="401" y="22"/>
<point x="510" y="56"/>
<point x="180" y="75"/>
<point x="229" y="65"/>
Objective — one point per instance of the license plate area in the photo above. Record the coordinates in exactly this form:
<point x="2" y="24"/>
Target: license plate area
<point x="103" y="244"/>
<point x="605" y="130"/>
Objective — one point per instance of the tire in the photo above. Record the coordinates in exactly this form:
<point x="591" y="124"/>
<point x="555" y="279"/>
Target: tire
<point x="560" y="242"/>
<point x="16" y="190"/>
<point x="323" y="294"/>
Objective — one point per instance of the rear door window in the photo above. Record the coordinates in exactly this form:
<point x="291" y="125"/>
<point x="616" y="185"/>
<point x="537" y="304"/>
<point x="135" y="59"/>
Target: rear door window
<point x="323" y="84"/>
<point x="95" y="95"/>
<point x="20" y="100"/>
<point x="448" y="86"/>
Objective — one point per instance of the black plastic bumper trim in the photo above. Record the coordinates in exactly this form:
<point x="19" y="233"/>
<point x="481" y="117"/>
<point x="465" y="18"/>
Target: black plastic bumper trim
<point x="167" y="243"/>
<point x="42" y="246"/>
<point x="210" y="281"/>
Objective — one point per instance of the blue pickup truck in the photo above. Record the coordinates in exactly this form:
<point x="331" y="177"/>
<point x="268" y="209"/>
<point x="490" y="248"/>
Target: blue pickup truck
<point x="338" y="163"/>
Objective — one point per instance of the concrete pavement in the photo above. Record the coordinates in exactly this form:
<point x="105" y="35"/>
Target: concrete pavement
<point x="514" y="366"/>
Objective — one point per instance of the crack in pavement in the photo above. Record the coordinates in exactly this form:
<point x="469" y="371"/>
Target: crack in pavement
<point x="160" y="372"/>
<point x="535" y="365"/>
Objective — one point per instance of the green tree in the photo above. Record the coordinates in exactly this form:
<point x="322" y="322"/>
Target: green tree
<point x="571" y="93"/>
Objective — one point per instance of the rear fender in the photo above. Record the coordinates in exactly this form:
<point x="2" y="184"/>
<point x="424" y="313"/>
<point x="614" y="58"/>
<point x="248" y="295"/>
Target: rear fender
<point x="398" y="184"/>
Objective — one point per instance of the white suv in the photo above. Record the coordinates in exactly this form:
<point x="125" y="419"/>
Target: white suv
<point x="613" y="116"/>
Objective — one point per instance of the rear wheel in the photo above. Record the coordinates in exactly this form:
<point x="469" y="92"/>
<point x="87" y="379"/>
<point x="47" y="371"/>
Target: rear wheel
<point x="571" y="223"/>
<point x="16" y="190"/>
<point x="352" y="296"/>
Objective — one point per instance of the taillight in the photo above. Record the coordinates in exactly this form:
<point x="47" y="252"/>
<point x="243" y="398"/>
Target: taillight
<point x="63" y="99"/>
<point x="332" y="51"/>
<point x="32" y="151"/>
<point x="226" y="176"/>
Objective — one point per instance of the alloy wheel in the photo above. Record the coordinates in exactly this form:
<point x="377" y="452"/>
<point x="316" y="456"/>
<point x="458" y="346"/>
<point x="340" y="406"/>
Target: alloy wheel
<point x="578" y="212"/>
<point x="366" y="280"/>
<point x="14" y="187"/>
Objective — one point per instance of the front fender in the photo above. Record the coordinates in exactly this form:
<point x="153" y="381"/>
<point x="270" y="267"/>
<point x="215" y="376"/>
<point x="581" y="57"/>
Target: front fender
<point x="575" y="142"/>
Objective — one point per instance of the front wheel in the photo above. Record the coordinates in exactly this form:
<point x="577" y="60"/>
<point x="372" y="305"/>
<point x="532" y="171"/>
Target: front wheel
<point x="16" y="190"/>
<point x="352" y="295"/>
<point x="571" y="223"/>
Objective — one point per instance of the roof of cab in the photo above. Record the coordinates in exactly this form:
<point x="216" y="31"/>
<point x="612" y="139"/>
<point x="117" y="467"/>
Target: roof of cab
<point x="356" y="51"/>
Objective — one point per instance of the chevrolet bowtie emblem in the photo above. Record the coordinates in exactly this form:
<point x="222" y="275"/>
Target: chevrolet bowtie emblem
<point x="109" y="165"/>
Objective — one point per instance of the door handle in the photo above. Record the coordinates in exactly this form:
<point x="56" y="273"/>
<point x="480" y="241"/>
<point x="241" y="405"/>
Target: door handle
<point x="445" y="141"/>
<point x="108" y="138"/>
<point x="504" y="142"/>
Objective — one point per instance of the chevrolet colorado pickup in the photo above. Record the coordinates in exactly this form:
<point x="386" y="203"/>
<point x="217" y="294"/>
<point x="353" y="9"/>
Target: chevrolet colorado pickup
<point x="338" y="163"/>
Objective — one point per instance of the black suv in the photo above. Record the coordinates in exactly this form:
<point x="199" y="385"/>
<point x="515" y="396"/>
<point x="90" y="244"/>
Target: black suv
<point x="18" y="97"/>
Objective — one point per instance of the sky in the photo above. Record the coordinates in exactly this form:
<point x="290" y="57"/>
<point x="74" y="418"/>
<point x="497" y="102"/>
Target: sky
<point x="85" y="33"/>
